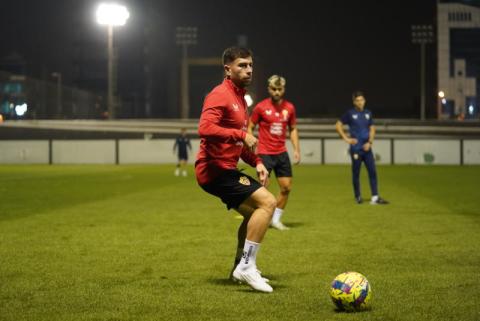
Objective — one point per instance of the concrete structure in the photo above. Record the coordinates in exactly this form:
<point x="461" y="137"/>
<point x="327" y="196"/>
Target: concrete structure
<point x="458" y="66"/>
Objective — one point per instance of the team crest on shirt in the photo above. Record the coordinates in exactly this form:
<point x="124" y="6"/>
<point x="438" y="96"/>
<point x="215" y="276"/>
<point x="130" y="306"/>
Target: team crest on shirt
<point x="235" y="107"/>
<point x="354" y="116"/>
<point x="285" y="114"/>
<point x="367" y="116"/>
<point x="244" y="180"/>
<point x="268" y="112"/>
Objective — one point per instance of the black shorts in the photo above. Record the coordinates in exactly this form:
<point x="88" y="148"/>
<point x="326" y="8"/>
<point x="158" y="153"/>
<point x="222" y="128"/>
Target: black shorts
<point x="182" y="156"/>
<point x="279" y="163"/>
<point x="233" y="187"/>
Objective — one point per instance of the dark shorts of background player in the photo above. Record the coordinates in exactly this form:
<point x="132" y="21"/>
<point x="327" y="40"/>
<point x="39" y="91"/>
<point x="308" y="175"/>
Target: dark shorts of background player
<point x="232" y="187"/>
<point x="279" y="163"/>
<point x="182" y="156"/>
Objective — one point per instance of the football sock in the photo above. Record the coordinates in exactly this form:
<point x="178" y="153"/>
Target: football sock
<point x="277" y="215"/>
<point x="249" y="257"/>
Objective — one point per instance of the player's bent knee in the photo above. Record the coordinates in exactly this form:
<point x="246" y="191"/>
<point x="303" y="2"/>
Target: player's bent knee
<point x="262" y="198"/>
<point x="270" y="203"/>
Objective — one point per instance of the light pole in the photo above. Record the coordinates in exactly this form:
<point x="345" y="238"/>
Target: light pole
<point x="422" y="35"/>
<point x="58" y="75"/>
<point x="185" y="36"/>
<point x="111" y="15"/>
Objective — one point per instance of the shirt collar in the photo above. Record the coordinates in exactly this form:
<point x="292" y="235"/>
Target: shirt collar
<point x="239" y="91"/>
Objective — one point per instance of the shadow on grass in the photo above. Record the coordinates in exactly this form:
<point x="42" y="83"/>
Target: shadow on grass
<point x="291" y="225"/>
<point x="365" y="310"/>
<point x="242" y="287"/>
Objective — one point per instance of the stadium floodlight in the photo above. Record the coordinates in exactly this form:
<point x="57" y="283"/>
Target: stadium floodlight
<point x="111" y="15"/>
<point x="422" y="35"/>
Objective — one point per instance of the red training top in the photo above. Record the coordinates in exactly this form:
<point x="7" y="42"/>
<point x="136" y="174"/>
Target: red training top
<point x="222" y="128"/>
<point x="272" y="123"/>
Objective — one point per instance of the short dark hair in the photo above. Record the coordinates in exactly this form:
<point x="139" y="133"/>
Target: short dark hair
<point x="232" y="53"/>
<point x="357" y="93"/>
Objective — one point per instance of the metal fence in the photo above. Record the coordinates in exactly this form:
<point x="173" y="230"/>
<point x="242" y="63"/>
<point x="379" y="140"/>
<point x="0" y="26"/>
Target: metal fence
<point x="23" y="97"/>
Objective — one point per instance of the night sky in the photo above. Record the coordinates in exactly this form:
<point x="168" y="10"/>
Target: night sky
<point x="325" y="50"/>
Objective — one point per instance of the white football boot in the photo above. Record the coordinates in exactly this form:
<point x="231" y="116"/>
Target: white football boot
<point x="279" y="226"/>
<point x="253" y="278"/>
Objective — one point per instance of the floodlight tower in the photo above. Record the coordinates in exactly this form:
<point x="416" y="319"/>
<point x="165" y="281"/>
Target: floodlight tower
<point x="422" y="35"/>
<point x="111" y="15"/>
<point x="185" y="36"/>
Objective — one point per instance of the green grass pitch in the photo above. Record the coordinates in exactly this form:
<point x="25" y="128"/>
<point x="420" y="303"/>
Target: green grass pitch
<point x="137" y="243"/>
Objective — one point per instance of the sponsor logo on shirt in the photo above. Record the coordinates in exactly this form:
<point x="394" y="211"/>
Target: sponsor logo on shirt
<point x="276" y="129"/>
<point x="235" y="107"/>
<point x="268" y="112"/>
<point x="244" y="180"/>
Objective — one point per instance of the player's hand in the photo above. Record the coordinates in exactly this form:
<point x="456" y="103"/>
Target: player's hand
<point x="352" y="141"/>
<point x="262" y="173"/>
<point x="296" y="157"/>
<point x="250" y="141"/>
<point x="366" y="147"/>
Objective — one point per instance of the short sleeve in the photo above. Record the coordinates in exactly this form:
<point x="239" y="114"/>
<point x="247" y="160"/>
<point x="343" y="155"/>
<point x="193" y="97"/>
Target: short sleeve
<point x="292" y="121"/>
<point x="345" y="119"/>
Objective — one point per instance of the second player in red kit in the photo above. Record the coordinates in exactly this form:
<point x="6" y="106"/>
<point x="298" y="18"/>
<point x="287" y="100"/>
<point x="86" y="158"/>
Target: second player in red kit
<point x="274" y="117"/>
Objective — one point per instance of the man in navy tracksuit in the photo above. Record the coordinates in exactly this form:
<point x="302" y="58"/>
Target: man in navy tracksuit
<point x="362" y="133"/>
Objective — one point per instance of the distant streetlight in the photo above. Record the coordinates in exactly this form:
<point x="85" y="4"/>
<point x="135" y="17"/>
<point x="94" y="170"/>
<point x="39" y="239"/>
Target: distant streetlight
<point x="111" y="15"/>
<point x="185" y="36"/>
<point x="58" y="75"/>
<point x="422" y="35"/>
<point x="440" y="101"/>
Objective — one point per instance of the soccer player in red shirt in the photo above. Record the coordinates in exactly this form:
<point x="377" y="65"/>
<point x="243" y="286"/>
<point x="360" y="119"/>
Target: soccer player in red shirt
<point x="273" y="115"/>
<point x="224" y="139"/>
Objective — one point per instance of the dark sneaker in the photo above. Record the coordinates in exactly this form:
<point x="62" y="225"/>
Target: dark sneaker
<point x="358" y="200"/>
<point x="379" y="201"/>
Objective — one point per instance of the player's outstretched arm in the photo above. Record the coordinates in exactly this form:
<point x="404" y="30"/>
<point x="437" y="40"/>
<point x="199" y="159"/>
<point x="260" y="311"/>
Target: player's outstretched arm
<point x="251" y="127"/>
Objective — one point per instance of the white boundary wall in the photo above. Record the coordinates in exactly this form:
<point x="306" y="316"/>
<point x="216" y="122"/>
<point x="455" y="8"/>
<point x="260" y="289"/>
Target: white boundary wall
<point x="24" y="152"/>
<point x="158" y="151"/>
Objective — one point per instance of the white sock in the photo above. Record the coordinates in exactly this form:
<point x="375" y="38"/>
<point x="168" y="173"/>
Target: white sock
<point x="374" y="198"/>
<point x="277" y="215"/>
<point x="249" y="258"/>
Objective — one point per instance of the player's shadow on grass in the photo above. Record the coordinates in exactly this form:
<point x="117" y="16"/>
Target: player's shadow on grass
<point x="242" y="287"/>
<point x="294" y="225"/>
